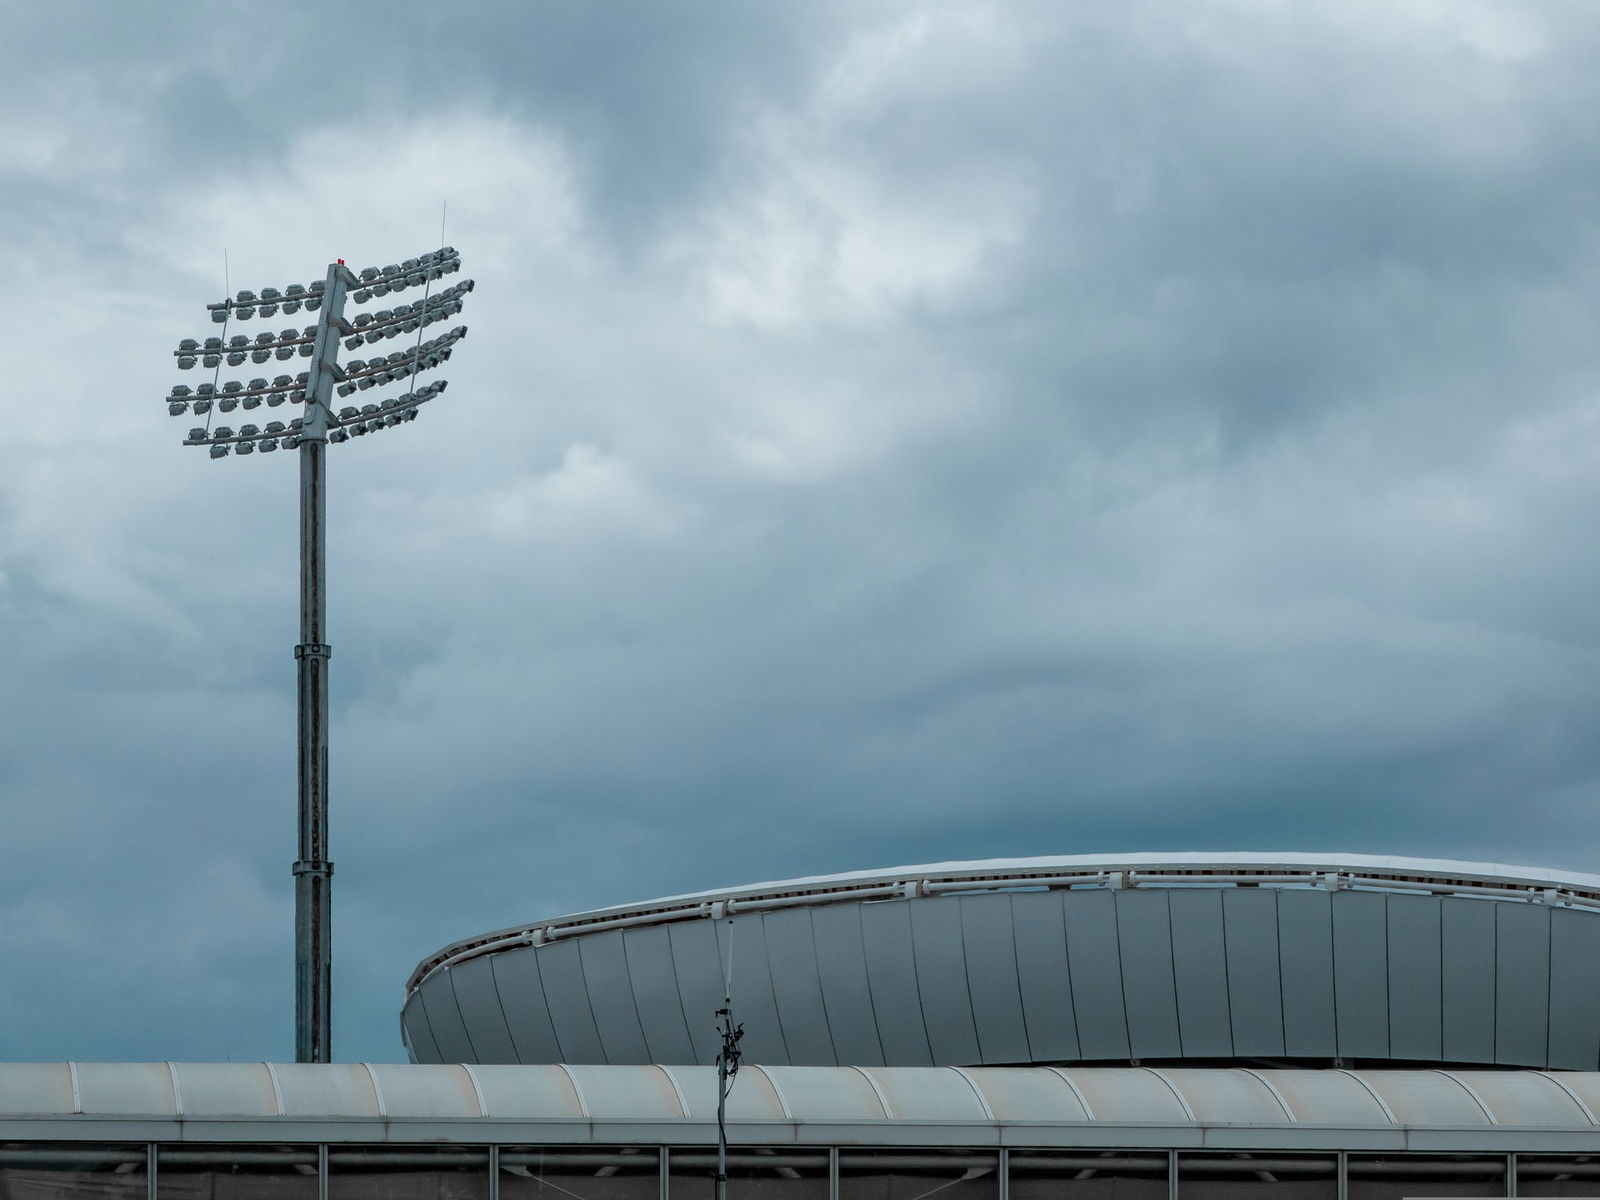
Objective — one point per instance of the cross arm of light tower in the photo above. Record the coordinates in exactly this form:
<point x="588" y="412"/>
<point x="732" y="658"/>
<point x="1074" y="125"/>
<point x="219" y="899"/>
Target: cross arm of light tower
<point x="367" y="328"/>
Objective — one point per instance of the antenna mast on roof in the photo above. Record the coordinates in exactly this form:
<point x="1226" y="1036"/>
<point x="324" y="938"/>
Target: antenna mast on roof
<point x="727" y="1067"/>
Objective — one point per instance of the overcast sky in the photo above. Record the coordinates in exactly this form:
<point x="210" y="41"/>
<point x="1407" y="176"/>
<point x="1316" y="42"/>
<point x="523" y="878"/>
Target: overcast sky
<point x="889" y="432"/>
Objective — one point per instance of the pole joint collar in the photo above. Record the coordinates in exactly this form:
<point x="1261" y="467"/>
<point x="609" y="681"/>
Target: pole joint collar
<point x="319" y="867"/>
<point x="313" y="650"/>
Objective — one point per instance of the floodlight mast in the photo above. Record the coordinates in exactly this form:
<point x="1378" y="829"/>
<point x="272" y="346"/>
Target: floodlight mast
<point x="313" y="870"/>
<point x="312" y="433"/>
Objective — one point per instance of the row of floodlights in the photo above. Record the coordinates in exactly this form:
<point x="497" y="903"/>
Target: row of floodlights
<point x="282" y="346"/>
<point x="361" y="374"/>
<point x="233" y="394"/>
<point x="375" y="281"/>
<point x="351" y="421"/>
<point x="407" y="318"/>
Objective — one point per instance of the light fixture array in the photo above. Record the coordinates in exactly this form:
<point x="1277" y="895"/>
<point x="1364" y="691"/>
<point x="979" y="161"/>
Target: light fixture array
<point x="365" y="329"/>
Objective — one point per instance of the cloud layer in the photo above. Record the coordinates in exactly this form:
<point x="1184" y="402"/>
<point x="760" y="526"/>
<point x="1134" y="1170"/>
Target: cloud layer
<point x="888" y="432"/>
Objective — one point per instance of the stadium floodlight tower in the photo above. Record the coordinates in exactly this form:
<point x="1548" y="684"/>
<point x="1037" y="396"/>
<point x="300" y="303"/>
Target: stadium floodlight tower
<point x="311" y="433"/>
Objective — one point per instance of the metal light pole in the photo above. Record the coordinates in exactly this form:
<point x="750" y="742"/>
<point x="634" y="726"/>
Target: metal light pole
<point x="311" y="434"/>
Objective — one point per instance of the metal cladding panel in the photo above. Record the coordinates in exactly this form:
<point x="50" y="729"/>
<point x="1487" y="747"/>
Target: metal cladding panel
<point x="1361" y="974"/>
<point x="1524" y="1098"/>
<point x="1096" y="974"/>
<point x="418" y="1034"/>
<point x="515" y="1091"/>
<point x="478" y="1001"/>
<point x="825" y="1094"/>
<point x="1255" y="993"/>
<point x="326" y="1090"/>
<point x="627" y="1093"/>
<point x="1039" y="926"/>
<point x="744" y="943"/>
<point x="920" y="1095"/>
<point x="991" y="949"/>
<point x="1522" y="984"/>
<point x="697" y="962"/>
<point x="942" y="982"/>
<point x="226" y="1090"/>
<point x="1425" y="1098"/>
<point x="892" y="973"/>
<point x="846" y="995"/>
<point x="1200" y="973"/>
<point x="797" y="985"/>
<point x="1327" y="1098"/>
<point x="1149" y="990"/>
<point x="656" y="998"/>
<point x="444" y="1018"/>
<point x="1027" y="1094"/>
<point x="1574" y="990"/>
<point x="610" y="988"/>
<point x="27" y="1089"/>
<point x="1118" y="1094"/>
<point x="522" y="999"/>
<point x="1305" y="940"/>
<point x="1415" y="976"/>
<point x="425" y="1091"/>
<point x="1226" y="1096"/>
<point x="752" y="1098"/>
<point x="126" y="1088"/>
<point x="567" y="993"/>
<point x="1467" y="928"/>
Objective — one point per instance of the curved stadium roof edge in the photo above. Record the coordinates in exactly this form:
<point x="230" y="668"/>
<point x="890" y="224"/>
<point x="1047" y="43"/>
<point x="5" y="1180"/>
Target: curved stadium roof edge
<point x="1384" y="872"/>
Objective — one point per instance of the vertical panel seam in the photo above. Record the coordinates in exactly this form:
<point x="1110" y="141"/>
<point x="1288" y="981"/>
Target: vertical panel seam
<point x="588" y="1000"/>
<point x="1227" y="976"/>
<point x="816" y="967"/>
<point x="677" y="989"/>
<point x="455" y="999"/>
<point x="427" y="1023"/>
<point x="966" y="971"/>
<point x="766" y="962"/>
<point x="499" y="1003"/>
<point x="1172" y="965"/>
<point x="632" y="993"/>
<point x="1016" y="970"/>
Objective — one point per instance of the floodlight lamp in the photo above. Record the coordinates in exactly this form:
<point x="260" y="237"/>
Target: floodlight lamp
<point x="206" y="389"/>
<point x="176" y="408"/>
<point x="291" y="443"/>
<point x="281" y="381"/>
<point x="409" y="415"/>
<point x="245" y="448"/>
<point x="318" y="286"/>
<point x="290" y="307"/>
<point x="368" y="274"/>
<point x="202" y="407"/>
<point x="188" y="344"/>
<point x="197" y="434"/>
<point x="180" y="389"/>
<point x="314" y="303"/>
<point x="353" y="343"/>
<point x="221" y="433"/>
<point x="410" y="264"/>
<point x="304" y="349"/>
<point x="252" y="402"/>
<point x="296" y="423"/>
<point x="365" y="382"/>
<point x="249" y="430"/>
<point x="258" y="385"/>
<point x="269" y="310"/>
<point x="363" y="320"/>
<point x="219" y="316"/>
<point x="416" y="279"/>
<point x="219" y="452"/>
<point x="380" y="289"/>
<point x="303" y="378"/>
<point x="411" y="326"/>
<point x="362" y="296"/>
<point x="349" y="412"/>
<point x="284" y="353"/>
<point x="275" y="399"/>
<point x="338" y="435"/>
<point x="236" y="358"/>
<point x="372" y="336"/>
<point x="228" y="403"/>
<point x="295" y="289"/>
<point x="368" y="409"/>
<point x="359" y="430"/>
<point x="268" y="445"/>
<point x="270" y="293"/>
<point x="355" y="365"/>
<point x="245" y="296"/>
<point x="260" y="356"/>
<point x="233" y="385"/>
<point x="213" y="343"/>
<point x="244" y="314"/>
<point x="433" y="273"/>
<point x="448" y="252"/>
<point x="275" y="427"/>
<point x="346" y="389"/>
<point x="451" y="267"/>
